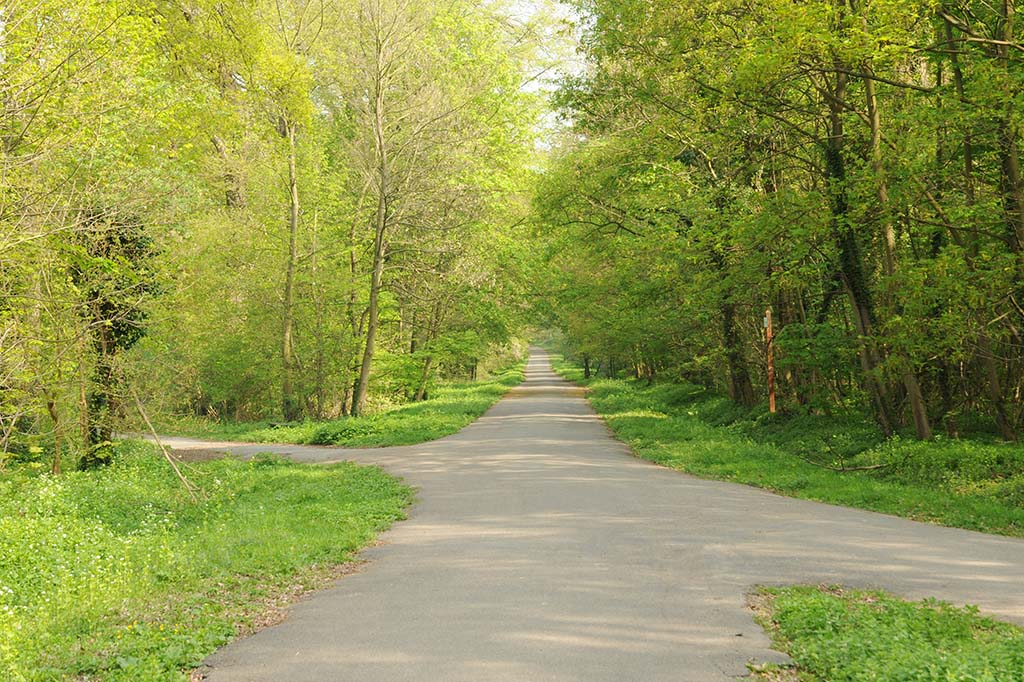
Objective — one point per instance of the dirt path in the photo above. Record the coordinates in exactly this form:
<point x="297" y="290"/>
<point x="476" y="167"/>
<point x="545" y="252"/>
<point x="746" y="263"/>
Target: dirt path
<point x="541" y="550"/>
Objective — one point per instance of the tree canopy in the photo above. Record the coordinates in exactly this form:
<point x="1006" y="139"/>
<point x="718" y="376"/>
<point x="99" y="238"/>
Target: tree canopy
<point x="852" y="165"/>
<point x="289" y="209"/>
<point x="302" y="209"/>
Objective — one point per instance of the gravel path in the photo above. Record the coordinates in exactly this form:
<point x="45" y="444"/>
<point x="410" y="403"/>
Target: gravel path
<point x="540" y="549"/>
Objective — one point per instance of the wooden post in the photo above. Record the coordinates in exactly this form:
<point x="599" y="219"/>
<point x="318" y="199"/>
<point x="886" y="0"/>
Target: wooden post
<point x="770" y="335"/>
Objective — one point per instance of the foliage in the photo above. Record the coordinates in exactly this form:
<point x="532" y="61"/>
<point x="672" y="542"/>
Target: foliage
<point x="855" y="167"/>
<point x="971" y="484"/>
<point x="93" y="151"/>
<point x="854" y="636"/>
<point x="189" y="198"/>
<point x="115" y="574"/>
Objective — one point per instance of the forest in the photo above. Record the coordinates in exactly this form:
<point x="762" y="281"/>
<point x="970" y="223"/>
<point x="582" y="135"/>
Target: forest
<point x="778" y="244"/>
<point x="303" y="210"/>
<point x="236" y="210"/>
<point x="852" y="165"/>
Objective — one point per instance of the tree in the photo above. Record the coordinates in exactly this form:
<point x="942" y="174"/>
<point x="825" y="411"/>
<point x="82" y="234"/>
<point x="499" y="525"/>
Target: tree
<point x="788" y="156"/>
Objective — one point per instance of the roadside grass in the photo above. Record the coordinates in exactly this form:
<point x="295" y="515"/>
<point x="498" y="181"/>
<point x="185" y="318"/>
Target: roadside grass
<point x="118" y="575"/>
<point x="452" y="406"/>
<point x="838" y="635"/>
<point x="974" y="484"/>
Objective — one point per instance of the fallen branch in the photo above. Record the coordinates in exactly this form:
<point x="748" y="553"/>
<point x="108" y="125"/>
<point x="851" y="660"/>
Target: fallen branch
<point x="189" y="486"/>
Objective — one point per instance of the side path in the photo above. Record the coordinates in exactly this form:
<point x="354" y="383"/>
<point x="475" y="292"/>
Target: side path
<point x="541" y="550"/>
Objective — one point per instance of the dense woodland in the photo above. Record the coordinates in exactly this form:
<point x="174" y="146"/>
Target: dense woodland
<point x="285" y="208"/>
<point x="299" y="209"/>
<point x="854" y="165"/>
<point x="340" y="222"/>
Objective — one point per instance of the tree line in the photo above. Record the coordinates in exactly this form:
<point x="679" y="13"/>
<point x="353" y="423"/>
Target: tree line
<point x="236" y="209"/>
<point x="853" y="165"/>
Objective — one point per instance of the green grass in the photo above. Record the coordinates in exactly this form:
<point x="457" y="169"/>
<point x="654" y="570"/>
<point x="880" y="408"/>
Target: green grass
<point x="835" y="635"/>
<point x="117" y="575"/>
<point x="967" y="484"/>
<point x="451" y="407"/>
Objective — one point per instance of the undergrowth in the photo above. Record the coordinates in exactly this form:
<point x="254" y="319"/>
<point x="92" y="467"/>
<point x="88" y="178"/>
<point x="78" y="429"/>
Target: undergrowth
<point x="451" y="407"/>
<point x="970" y="483"/>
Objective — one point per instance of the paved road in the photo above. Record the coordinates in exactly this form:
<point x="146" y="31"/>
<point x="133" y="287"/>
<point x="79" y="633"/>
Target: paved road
<point x="541" y="550"/>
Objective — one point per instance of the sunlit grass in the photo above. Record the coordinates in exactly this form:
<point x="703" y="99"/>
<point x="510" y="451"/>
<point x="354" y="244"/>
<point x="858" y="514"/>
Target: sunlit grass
<point x="968" y="484"/>
<point x="838" y="635"/>
<point x="118" y="575"/>
<point x="452" y="407"/>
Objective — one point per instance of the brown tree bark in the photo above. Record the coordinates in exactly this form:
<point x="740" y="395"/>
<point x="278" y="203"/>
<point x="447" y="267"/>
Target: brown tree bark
<point x="851" y="266"/>
<point x="290" y="407"/>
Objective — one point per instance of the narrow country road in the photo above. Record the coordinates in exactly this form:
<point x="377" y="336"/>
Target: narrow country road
<point x="540" y="549"/>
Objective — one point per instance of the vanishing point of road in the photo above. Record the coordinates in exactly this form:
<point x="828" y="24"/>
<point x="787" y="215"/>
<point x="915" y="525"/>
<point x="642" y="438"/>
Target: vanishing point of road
<point x="540" y="549"/>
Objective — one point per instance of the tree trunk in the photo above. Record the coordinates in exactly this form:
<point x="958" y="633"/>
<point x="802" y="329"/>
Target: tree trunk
<point x="320" y="378"/>
<point x="372" y="321"/>
<point x="993" y="386"/>
<point x="995" y="389"/>
<point x="234" y="191"/>
<point x="1011" y="187"/>
<point x="354" y="320"/>
<point x="58" y="436"/>
<point x="1009" y="150"/>
<point x="413" y="334"/>
<point x="379" y="247"/>
<point x="851" y="267"/>
<point x="83" y="408"/>
<point x="99" y="410"/>
<point x="421" y="391"/>
<point x="922" y="427"/>
<point x="741" y="389"/>
<point x="941" y="366"/>
<point x="290" y="408"/>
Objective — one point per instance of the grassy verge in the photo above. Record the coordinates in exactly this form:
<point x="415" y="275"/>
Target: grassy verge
<point x="835" y="635"/>
<point x="968" y="484"/>
<point x="452" y="406"/>
<point x="118" y="575"/>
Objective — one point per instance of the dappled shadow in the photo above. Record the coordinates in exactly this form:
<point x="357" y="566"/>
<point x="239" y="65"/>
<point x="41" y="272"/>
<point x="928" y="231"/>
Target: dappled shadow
<point x="539" y="549"/>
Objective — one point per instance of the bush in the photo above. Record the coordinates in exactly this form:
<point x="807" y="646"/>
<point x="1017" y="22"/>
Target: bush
<point x="452" y="406"/>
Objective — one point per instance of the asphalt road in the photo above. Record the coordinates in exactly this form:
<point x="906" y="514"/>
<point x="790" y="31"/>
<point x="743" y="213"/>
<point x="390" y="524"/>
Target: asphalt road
<point x="540" y="549"/>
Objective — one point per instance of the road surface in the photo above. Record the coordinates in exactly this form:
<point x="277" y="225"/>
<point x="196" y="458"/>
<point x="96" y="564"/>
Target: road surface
<point x="540" y="549"/>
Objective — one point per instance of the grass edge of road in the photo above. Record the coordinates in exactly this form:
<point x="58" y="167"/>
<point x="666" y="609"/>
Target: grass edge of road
<point x="682" y="427"/>
<point x="117" y="574"/>
<point x="452" y="406"/>
<point x="834" y="634"/>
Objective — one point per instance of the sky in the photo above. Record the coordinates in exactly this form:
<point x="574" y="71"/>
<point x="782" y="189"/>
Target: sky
<point x="558" y="25"/>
